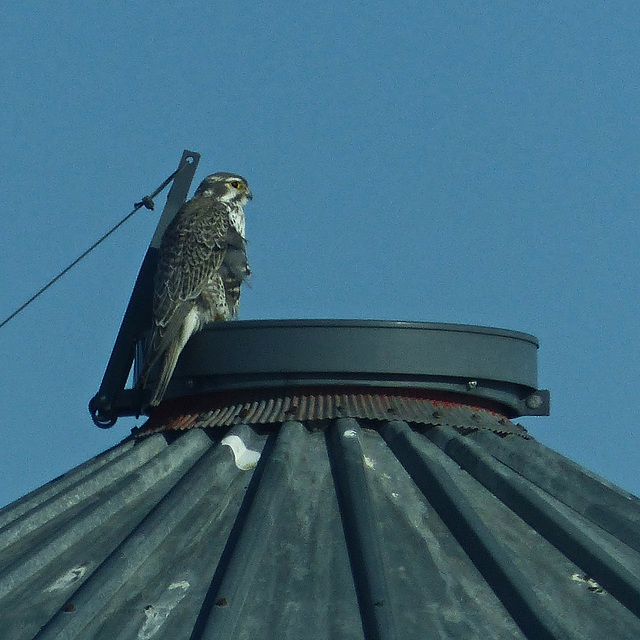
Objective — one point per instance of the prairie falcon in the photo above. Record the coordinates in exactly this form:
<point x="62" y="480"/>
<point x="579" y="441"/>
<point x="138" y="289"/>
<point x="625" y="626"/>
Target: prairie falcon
<point x="202" y="263"/>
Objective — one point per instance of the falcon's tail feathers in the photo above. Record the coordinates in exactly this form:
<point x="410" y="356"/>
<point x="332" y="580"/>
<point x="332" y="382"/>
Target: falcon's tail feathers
<point x="190" y="325"/>
<point x="168" y="365"/>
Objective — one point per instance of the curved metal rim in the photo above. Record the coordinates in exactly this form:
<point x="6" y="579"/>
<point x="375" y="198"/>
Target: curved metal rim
<point x="403" y="324"/>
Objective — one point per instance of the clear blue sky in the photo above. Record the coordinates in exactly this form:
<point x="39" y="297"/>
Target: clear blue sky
<point x="434" y="161"/>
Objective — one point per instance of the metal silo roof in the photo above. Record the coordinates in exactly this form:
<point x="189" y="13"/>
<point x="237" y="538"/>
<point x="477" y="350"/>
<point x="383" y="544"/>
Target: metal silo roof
<point x="284" y="500"/>
<point x="353" y="528"/>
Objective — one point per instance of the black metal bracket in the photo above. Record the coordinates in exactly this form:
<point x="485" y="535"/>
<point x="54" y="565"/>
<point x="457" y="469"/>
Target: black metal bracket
<point x="105" y="406"/>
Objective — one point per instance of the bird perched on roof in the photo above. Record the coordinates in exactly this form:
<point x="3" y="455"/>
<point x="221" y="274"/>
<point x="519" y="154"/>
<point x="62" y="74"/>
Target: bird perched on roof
<point x="201" y="266"/>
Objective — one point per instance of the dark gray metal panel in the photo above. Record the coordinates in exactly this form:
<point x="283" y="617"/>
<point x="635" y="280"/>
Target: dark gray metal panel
<point x="363" y="537"/>
<point x="40" y="569"/>
<point x="288" y="575"/>
<point x="554" y="589"/>
<point x="402" y="348"/>
<point x="54" y="487"/>
<point x="430" y="578"/>
<point x="160" y="574"/>
<point x="566" y="532"/>
<point x="480" y="542"/>
<point x="612" y="509"/>
<point x="62" y="496"/>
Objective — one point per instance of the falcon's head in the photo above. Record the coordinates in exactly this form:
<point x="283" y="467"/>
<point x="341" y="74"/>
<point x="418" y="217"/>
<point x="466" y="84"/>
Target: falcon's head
<point x="226" y="187"/>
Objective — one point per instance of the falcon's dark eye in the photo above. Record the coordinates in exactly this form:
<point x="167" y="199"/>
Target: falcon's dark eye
<point x="235" y="184"/>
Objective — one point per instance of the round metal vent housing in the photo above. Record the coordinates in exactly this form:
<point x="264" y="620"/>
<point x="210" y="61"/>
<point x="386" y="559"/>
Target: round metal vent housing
<point x="494" y="364"/>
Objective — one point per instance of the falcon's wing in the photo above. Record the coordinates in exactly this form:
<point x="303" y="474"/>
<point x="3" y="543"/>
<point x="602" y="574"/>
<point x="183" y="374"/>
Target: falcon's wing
<point x="192" y="250"/>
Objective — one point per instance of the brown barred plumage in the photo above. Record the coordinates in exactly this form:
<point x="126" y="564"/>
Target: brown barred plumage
<point x="201" y="266"/>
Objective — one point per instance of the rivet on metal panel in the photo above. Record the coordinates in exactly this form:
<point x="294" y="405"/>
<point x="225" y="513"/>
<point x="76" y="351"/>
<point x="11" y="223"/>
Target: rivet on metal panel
<point x="472" y="384"/>
<point x="534" y="401"/>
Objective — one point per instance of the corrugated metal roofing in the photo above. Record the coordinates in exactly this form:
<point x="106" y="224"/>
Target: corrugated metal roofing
<point x="354" y="528"/>
<point x="273" y="405"/>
